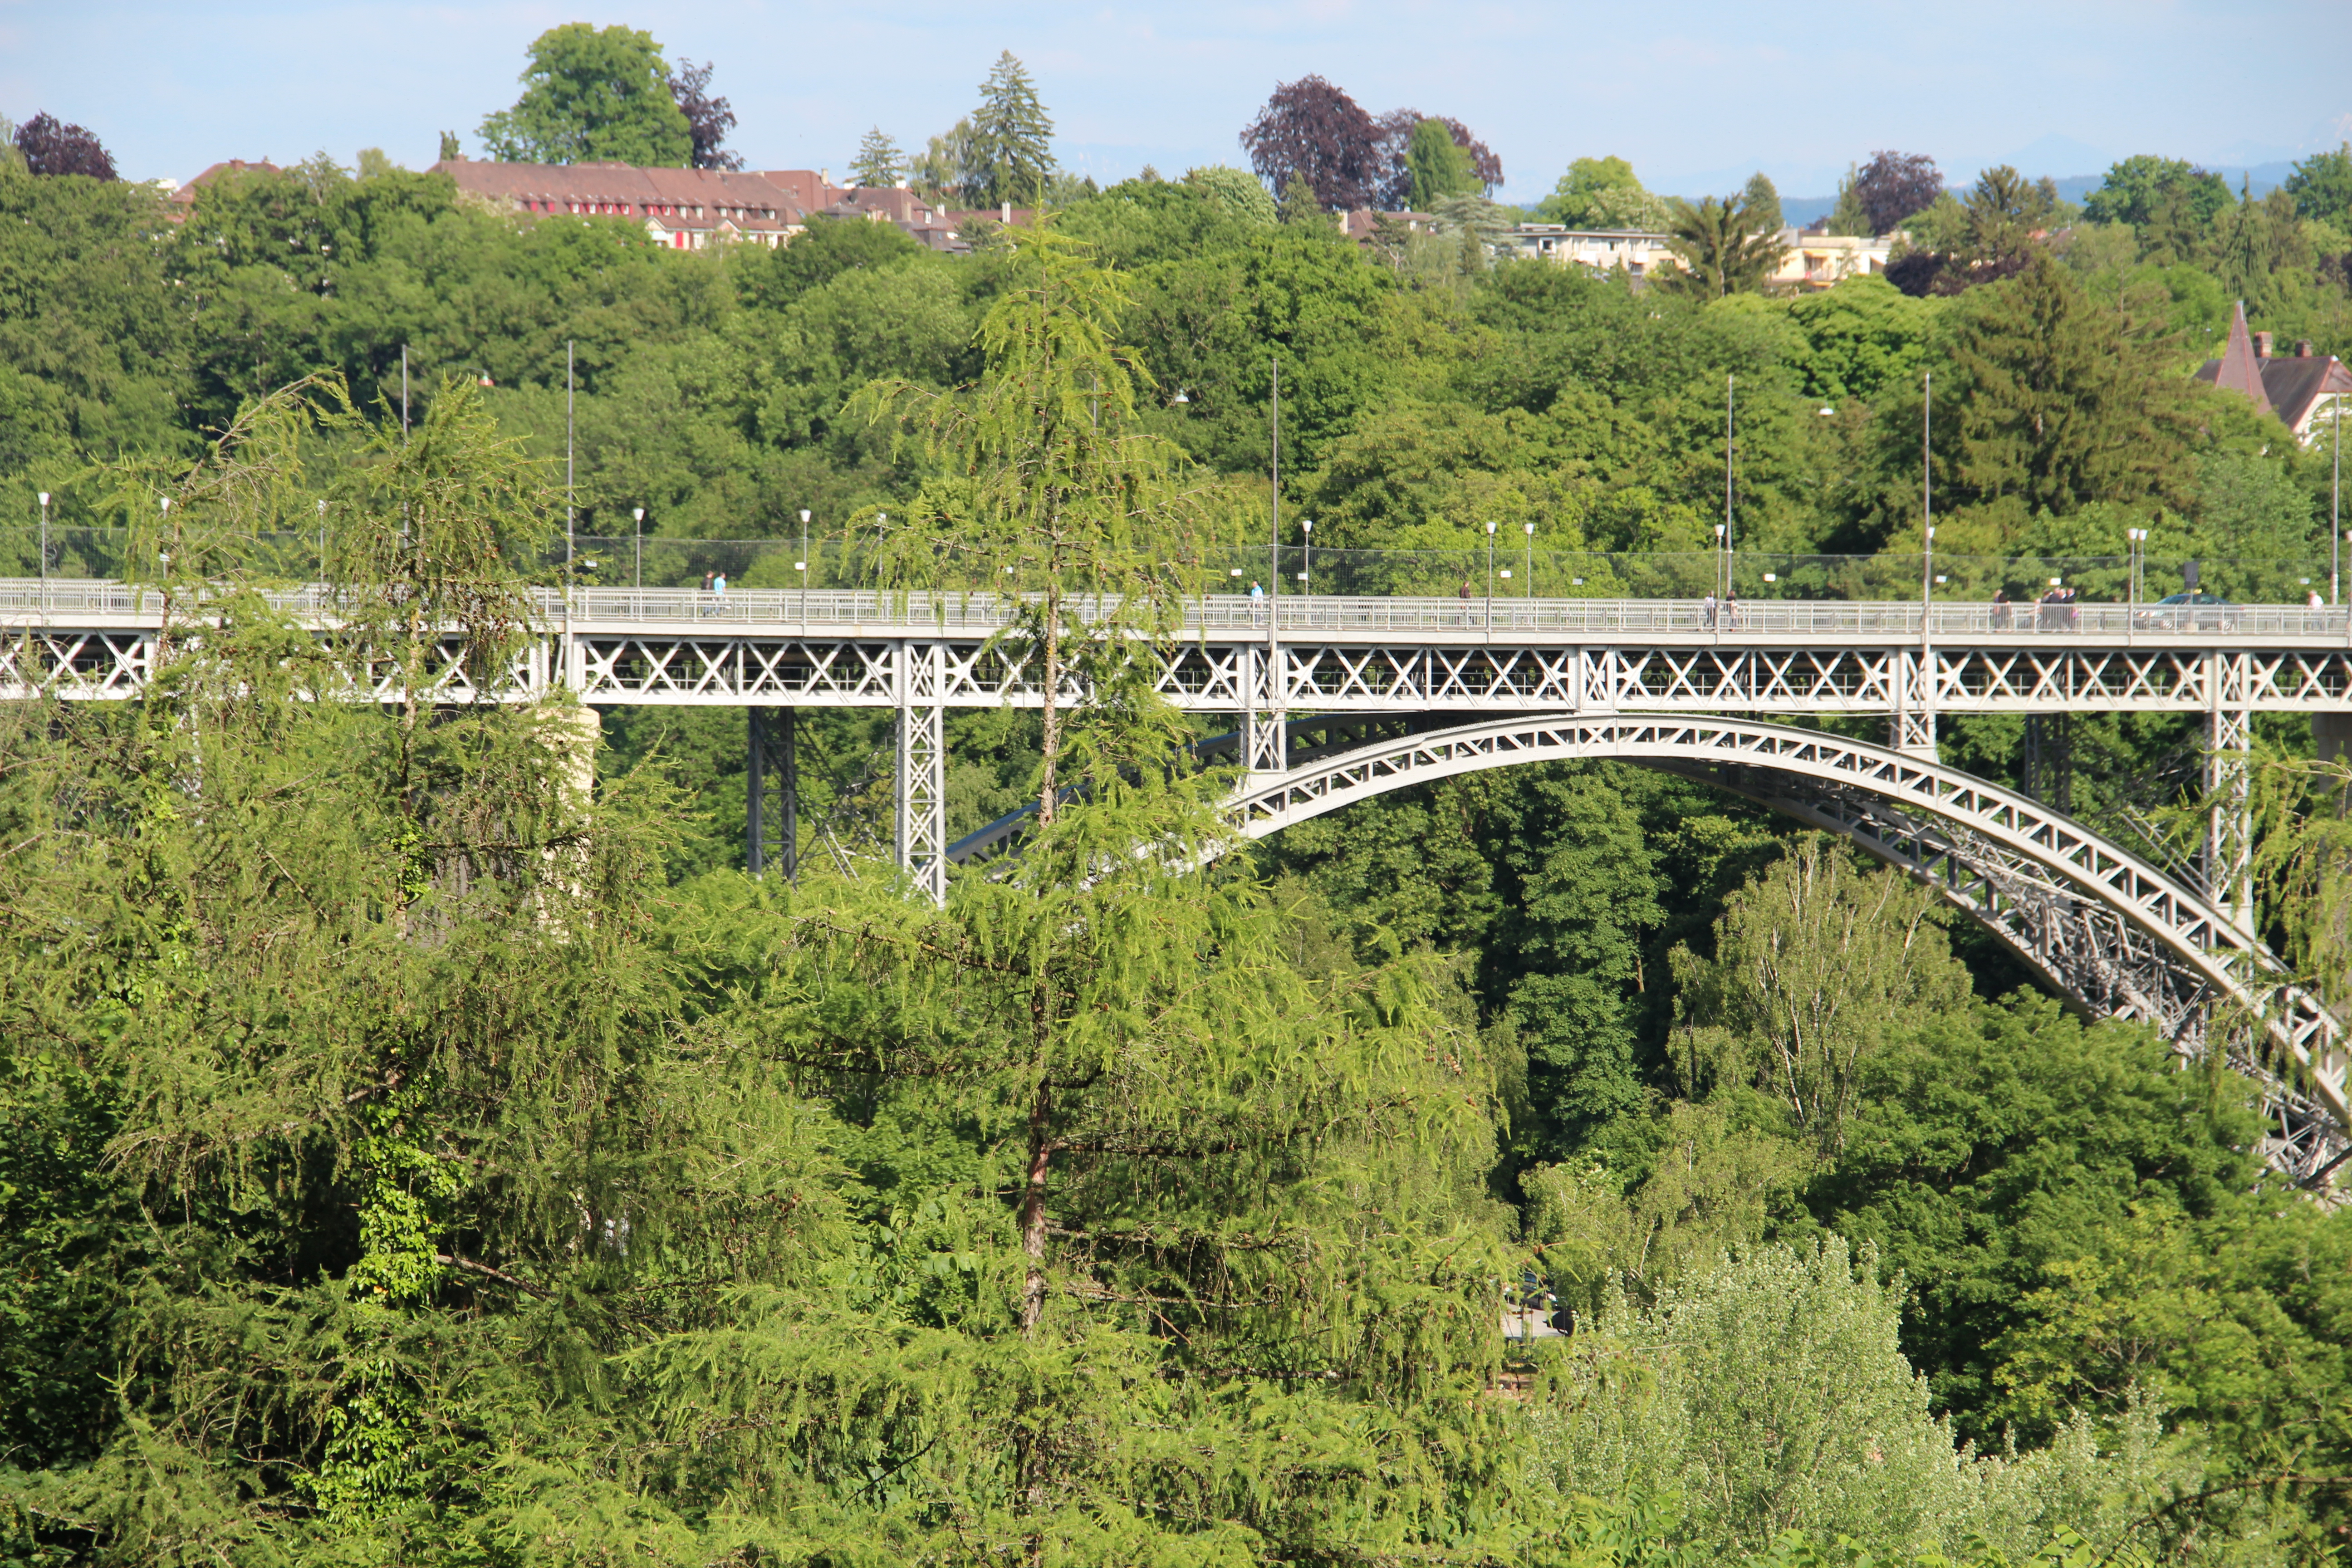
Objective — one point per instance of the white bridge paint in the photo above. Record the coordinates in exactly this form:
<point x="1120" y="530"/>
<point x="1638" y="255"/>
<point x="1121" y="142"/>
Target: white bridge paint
<point x="1637" y="681"/>
<point x="1998" y="855"/>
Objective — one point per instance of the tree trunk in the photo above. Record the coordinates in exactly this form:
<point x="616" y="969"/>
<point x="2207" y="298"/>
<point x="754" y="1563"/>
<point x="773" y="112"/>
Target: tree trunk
<point x="1033" y="1208"/>
<point x="1051" y="712"/>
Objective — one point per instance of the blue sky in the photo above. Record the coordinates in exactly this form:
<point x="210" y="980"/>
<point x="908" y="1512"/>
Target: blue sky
<point x="1696" y="93"/>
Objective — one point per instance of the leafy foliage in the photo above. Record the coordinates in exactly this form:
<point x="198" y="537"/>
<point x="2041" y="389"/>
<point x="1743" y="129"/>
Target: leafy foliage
<point x="49" y="146"/>
<point x="1891" y="188"/>
<point x="593" y="95"/>
<point x="707" y="119"/>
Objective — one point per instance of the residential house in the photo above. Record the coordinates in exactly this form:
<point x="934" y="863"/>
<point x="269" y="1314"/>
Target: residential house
<point x="183" y="198"/>
<point x="1818" y="262"/>
<point x="2308" y="391"/>
<point x="1597" y="250"/>
<point x="684" y="209"/>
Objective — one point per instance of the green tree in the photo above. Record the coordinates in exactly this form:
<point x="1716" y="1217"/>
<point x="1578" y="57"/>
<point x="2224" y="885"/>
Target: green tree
<point x="1440" y="166"/>
<point x="1762" y="199"/>
<point x="1768" y="1396"/>
<point x="1238" y="194"/>
<point x="1863" y="337"/>
<point x="879" y="163"/>
<point x="2062" y="400"/>
<point x="2321" y="186"/>
<point x="1849" y="217"/>
<point x="95" y="342"/>
<point x="593" y="95"/>
<point x="1602" y="193"/>
<point x="1724" y="248"/>
<point x="1817" y="968"/>
<point x="1010" y="154"/>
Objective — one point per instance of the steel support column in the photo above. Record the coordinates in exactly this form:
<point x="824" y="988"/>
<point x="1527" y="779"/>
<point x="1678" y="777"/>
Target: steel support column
<point x="1265" y="744"/>
<point x="1914" y="711"/>
<point x="2229" y="786"/>
<point x="2049" y="763"/>
<point x="922" y="825"/>
<point x="771" y="820"/>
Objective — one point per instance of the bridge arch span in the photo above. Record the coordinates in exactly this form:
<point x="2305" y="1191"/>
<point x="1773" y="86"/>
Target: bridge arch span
<point x="2109" y="930"/>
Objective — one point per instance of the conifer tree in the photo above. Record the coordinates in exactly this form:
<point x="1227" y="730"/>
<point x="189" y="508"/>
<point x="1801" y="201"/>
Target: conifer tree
<point x="1011" y="150"/>
<point x="879" y="163"/>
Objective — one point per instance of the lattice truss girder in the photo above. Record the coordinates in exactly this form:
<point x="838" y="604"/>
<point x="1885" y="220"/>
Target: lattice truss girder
<point x="2104" y="961"/>
<point x="924" y="673"/>
<point x="726" y="666"/>
<point x="82" y="665"/>
<point x="2002" y="853"/>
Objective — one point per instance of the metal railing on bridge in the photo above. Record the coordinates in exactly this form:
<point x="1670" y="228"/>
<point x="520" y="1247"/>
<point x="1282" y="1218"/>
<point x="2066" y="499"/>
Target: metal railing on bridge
<point x="1514" y="571"/>
<point x="1227" y="615"/>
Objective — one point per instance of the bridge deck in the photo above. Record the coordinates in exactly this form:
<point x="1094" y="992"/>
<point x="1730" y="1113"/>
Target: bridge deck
<point x="784" y="611"/>
<point x="780" y="646"/>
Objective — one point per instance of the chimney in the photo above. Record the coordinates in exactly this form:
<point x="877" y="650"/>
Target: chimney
<point x="2262" y="345"/>
<point x="2302" y="348"/>
<point x="1007" y="212"/>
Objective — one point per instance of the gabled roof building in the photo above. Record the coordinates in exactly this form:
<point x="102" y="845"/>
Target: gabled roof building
<point x="2304" y="389"/>
<point x="684" y="209"/>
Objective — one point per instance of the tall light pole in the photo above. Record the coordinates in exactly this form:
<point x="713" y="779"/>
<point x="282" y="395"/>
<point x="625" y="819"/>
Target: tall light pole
<point x="45" y="536"/>
<point x="1490" y="576"/>
<point x="638" y="514"/>
<point x="802" y="565"/>
<point x="2335" y="508"/>
<point x="1306" y="533"/>
<point x="1273" y="553"/>
<point x="2138" y="538"/>
<point x="571" y="540"/>
<point x="1926" y="496"/>
<point x="322" y="543"/>
<point x="1531" y="560"/>
<point x="1729" y="433"/>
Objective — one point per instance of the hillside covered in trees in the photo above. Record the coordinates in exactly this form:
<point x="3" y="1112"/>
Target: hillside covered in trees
<point x="410" y="1157"/>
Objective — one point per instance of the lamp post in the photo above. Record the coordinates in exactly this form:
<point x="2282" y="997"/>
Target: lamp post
<point x="322" y="543"/>
<point x="1730" y="431"/>
<point x="1926" y="496"/>
<point x="638" y="513"/>
<point x="2336" y="507"/>
<point x="2138" y="541"/>
<point x="1306" y="531"/>
<point x="802" y="565"/>
<point x="45" y="536"/>
<point x="1531" y="561"/>
<point x="1490" y="576"/>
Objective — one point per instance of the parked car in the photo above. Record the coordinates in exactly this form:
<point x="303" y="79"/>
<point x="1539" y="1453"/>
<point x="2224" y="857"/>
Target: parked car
<point x="2192" y="613"/>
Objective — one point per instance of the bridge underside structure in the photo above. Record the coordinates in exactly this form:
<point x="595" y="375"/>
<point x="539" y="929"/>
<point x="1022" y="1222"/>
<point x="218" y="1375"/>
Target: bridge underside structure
<point x="1401" y="692"/>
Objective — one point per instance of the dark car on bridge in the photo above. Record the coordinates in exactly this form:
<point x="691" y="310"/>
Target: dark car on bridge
<point x="2192" y="613"/>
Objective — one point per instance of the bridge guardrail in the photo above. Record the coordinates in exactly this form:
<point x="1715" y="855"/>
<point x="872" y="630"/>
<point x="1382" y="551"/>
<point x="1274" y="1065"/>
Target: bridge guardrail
<point x="1313" y="615"/>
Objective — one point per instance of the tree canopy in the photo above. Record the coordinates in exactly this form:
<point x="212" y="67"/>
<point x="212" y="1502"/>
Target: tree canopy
<point x="591" y="96"/>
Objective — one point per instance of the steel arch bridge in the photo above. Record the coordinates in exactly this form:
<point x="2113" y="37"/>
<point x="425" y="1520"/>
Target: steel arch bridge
<point x="2111" y="931"/>
<point x="1641" y="682"/>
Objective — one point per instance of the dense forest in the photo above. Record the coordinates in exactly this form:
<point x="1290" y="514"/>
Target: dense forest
<point x="415" y="1155"/>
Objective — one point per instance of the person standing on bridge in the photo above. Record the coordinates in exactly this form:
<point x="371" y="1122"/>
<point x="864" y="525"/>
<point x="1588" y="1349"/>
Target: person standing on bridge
<point x="1706" y="610"/>
<point x="2001" y="610"/>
